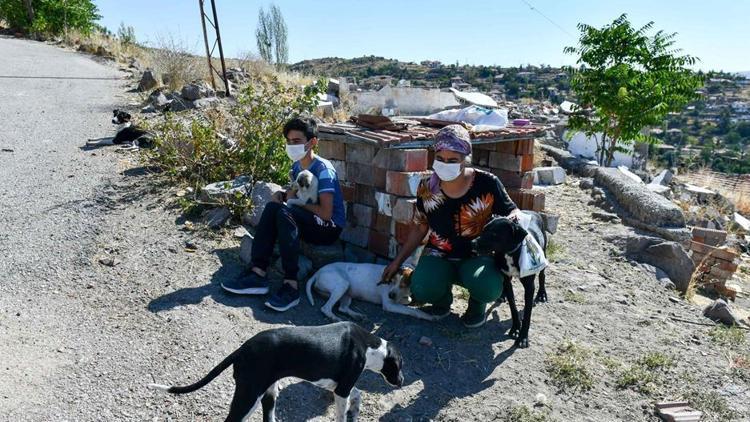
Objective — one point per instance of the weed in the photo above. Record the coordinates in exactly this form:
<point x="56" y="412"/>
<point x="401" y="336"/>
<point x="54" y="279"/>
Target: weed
<point x="732" y="337"/>
<point x="524" y="414"/>
<point x="656" y="360"/>
<point x="173" y="60"/>
<point x="571" y="296"/>
<point x="712" y="403"/>
<point x="645" y="375"/>
<point x="569" y="367"/>
<point x="555" y="251"/>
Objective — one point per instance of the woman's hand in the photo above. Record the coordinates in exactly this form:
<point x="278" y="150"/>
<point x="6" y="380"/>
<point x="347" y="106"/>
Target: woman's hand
<point x="390" y="271"/>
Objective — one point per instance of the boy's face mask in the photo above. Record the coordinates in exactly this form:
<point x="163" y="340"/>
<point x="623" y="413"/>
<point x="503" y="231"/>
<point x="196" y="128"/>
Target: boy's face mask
<point x="296" y="152"/>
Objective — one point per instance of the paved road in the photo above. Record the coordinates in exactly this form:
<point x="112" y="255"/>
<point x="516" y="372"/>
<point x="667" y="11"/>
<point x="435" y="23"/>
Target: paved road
<point x="52" y="100"/>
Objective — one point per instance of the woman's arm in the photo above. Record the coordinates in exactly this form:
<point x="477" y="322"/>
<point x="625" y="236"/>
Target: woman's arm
<point x="416" y="236"/>
<point x="324" y="207"/>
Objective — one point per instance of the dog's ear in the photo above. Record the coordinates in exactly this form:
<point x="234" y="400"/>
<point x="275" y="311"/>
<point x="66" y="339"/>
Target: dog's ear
<point x="518" y="233"/>
<point x="406" y="273"/>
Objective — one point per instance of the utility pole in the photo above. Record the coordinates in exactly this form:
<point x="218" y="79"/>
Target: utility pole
<point x="217" y="42"/>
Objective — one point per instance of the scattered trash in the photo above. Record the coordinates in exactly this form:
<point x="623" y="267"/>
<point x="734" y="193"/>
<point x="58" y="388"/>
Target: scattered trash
<point x="425" y="341"/>
<point x="7" y="150"/>
<point x="677" y="411"/>
<point x="108" y="261"/>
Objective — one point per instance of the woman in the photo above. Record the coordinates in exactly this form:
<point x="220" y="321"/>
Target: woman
<point x="453" y="206"/>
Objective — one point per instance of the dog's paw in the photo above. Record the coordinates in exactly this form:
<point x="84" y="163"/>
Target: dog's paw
<point x="541" y="297"/>
<point x="514" y="332"/>
<point x="522" y="343"/>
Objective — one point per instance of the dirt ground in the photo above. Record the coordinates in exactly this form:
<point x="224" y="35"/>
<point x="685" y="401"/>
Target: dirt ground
<point x="135" y="305"/>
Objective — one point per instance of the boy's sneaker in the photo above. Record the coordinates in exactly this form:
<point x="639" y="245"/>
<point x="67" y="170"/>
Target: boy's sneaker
<point x="248" y="284"/>
<point x="475" y="315"/>
<point x="286" y="298"/>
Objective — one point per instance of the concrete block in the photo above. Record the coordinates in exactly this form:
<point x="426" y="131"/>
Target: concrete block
<point x="353" y="253"/>
<point x="340" y="167"/>
<point x="550" y="175"/>
<point x="404" y="183"/>
<point x="365" y="195"/>
<point x="385" y="203"/>
<point x="402" y="159"/>
<point x="357" y="235"/>
<point x="363" y="215"/>
<point x="403" y="210"/>
<point x="504" y="161"/>
<point x="360" y="153"/>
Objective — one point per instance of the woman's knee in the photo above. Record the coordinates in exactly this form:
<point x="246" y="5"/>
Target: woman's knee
<point x="482" y="279"/>
<point x="431" y="279"/>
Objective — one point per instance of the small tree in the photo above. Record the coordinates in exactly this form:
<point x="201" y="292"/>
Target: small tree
<point x="126" y="34"/>
<point x="271" y="36"/>
<point x="627" y="80"/>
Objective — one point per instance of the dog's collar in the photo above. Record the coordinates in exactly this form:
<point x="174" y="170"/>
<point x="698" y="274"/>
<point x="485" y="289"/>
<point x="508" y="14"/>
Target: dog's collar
<point x="516" y="248"/>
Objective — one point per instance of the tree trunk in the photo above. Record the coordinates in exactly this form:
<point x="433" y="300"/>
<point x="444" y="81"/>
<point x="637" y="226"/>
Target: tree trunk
<point x="27" y="4"/>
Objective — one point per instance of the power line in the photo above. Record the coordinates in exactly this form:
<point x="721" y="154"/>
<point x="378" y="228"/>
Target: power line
<point x="548" y="19"/>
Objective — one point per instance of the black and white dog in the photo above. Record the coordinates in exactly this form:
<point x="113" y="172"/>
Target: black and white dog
<point x="127" y="134"/>
<point x="503" y="238"/>
<point x="306" y="188"/>
<point x="330" y="356"/>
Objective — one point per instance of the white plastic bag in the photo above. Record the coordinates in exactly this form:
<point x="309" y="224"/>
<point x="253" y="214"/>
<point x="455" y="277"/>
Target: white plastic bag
<point x="532" y="259"/>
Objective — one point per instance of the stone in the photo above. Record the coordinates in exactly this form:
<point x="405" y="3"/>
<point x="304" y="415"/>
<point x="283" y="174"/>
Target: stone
<point x="586" y="183"/>
<point x="643" y="205"/>
<point x="425" y="341"/>
<point x="177" y="103"/>
<point x="669" y="256"/>
<point x="196" y="90"/>
<point x="321" y="255"/>
<point x="720" y="311"/>
<point x="148" y="109"/>
<point x="550" y="175"/>
<point x="240" y="232"/>
<point x="629" y="174"/>
<point x="246" y="248"/>
<point x="353" y="253"/>
<point x="158" y="100"/>
<point x="358" y="235"/>
<point x="108" y="261"/>
<point x="742" y="222"/>
<point x="216" y="217"/>
<point x="260" y="195"/>
<point x="607" y="217"/>
<point x="550" y="221"/>
<point x="403" y="210"/>
<point x="663" y="178"/>
<point x="662" y="190"/>
<point x="216" y="192"/>
<point x="204" y="103"/>
<point x="148" y="81"/>
<point x="664" y="280"/>
<point x="304" y="264"/>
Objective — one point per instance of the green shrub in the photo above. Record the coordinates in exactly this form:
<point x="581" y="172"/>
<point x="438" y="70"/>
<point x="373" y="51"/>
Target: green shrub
<point x="50" y="16"/>
<point x="569" y="367"/>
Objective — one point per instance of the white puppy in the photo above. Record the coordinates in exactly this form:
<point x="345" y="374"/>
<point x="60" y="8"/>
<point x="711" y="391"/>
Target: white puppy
<point x="306" y="186"/>
<point x="345" y="281"/>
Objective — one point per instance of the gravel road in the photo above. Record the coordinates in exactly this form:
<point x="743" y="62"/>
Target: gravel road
<point x="100" y="296"/>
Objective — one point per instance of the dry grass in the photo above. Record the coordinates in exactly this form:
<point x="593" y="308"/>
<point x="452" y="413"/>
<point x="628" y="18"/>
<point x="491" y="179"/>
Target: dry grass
<point x="105" y="45"/>
<point x="569" y="367"/>
<point x="174" y="62"/>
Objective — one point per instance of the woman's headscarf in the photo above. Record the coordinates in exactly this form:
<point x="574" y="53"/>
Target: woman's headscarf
<point x="450" y="138"/>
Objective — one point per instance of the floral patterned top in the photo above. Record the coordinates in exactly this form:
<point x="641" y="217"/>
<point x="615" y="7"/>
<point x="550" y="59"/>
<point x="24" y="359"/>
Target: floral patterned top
<point x="454" y="222"/>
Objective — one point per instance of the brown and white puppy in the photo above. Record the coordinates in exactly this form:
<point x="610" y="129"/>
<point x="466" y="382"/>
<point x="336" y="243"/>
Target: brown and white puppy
<point x="306" y="187"/>
<point x="344" y="281"/>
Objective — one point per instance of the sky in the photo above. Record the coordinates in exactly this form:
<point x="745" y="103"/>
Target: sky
<point x="487" y="32"/>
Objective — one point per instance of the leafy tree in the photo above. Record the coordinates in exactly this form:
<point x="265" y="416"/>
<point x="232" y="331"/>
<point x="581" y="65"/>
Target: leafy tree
<point x="49" y="16"/>
<point x="627" y="80"/>
<point x="271" y="36"/>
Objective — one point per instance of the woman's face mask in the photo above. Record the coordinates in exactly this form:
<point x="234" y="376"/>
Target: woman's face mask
<point x="296" y="152"/>
<point x="446" y="171"/>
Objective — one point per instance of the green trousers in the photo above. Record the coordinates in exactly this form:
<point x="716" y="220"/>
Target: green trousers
<point x="433" y="278"/>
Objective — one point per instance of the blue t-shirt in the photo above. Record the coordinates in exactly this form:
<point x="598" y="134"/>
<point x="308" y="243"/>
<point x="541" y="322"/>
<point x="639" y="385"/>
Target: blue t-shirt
<point x="328" y="181"/>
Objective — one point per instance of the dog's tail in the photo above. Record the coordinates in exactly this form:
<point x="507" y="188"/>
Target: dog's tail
<point x="200" y="384"/>
<point x="309" y="286"/>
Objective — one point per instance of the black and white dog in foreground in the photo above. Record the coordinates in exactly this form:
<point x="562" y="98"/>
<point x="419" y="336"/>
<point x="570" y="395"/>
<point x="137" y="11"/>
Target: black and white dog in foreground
<point x="504" y="237"/>
<point x="127" y="134"/>
<point x="330" y="356"/>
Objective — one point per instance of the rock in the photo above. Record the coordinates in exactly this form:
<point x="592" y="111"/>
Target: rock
<point x="158" y="100"/>
<point x="638" y="201"/>
<point x="321" y="255"/>
<point x="196" y="90"/>
<point x="148" y="109"/>
<point x="425" y="341"/>
<point x="108" y="261"/>
<point x="629" y="174"/>
<point x="586" y="183"/>
<point x="721" y="312"/>
<point x="148" y="81"/>
<point x="260" y="195"/>
<point x="246" y="248"/>
<point x="204" y="103"/>
<point x="664" y="280"/>
<point x="550" y="221"/>
<point x="663" y="178"/>
<point x="304" y="264"/>
<point x="550" y="175"/>
<point x="177" y="103"/>
<point x="670" y="257"/>
<point x="742" y="222"/>
<point x="662" y="190"/>
<point x="135" y="64"/>
<point x="240" y="232"/>
<point x="216" y="217"/>
<point x="216" y="192"/>
<point x="227" y="142"/>
<point x="605" y="216"/>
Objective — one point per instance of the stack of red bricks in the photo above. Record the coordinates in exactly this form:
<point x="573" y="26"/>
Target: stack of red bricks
<point x="379" y="181"/>
<point x="714" y="263"/>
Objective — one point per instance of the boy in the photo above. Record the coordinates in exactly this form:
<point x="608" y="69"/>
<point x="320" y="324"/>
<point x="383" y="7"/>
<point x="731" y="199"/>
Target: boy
<point x="319" y="224"/>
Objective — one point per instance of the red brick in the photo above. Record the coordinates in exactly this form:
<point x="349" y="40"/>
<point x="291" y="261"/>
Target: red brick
<point x="403" y="183"/>
<point x="348" y="191"/>
<point x="383" y="224"/>
<point x="506" y="162"/>
<point x="402" y="159"/>
<point x="360" y="153"/>
<point x="527" y="162"/>
<point x="525" y="146"/>
<point x="514" y="180"/>
<point x="383" y="244"/>
<point x="720" y="274"/>
<point x="728" y="266"/>
<point x="332" y="150"/>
